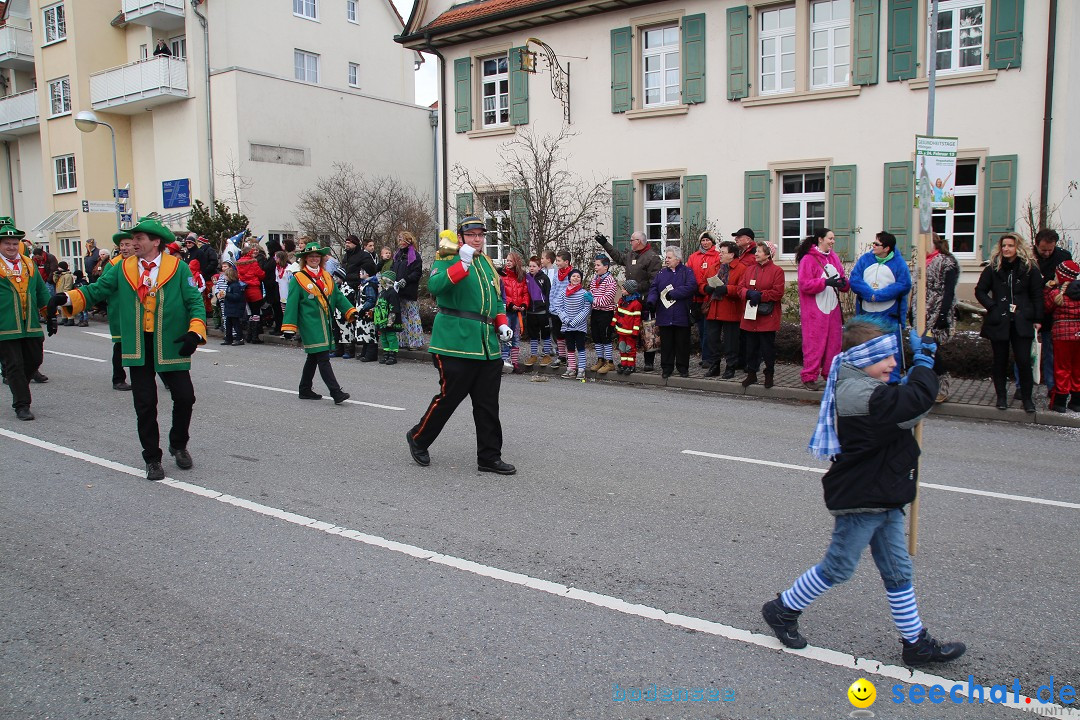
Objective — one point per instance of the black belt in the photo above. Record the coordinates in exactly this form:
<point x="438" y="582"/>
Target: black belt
<point x="467" y="315"/>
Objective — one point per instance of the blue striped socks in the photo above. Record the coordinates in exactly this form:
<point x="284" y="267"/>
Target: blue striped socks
<point x="806" y="590"/>
<point x="905" y="612"/>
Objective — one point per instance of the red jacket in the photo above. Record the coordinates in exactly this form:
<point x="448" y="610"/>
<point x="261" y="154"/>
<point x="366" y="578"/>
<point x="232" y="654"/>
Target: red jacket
<point x="627" y="318"/>
<point x="247" y="267"/>
<point x="1066" y="316"/>
<point x="516" y="291"/>
<point x="704" y="264"/>
<point x="769" y="279"/>
<point x="729" y="307"/>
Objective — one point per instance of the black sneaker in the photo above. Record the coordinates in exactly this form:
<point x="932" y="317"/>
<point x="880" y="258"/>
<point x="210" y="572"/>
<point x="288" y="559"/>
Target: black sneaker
<point x="785" y="623"/>
<point x="927" y="650"/>
<point x="498" y="466"/>
<point x="340" y="396"/>
<point x="121" y="386"/>
<point x="309" y="395"/>
<point x="154" y="471"/>
<point x="182" y="457"/>
<point x="419" y="455"/>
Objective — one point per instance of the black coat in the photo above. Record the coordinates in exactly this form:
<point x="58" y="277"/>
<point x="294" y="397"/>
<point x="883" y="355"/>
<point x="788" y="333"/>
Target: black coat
<point x="1010" y="284"/>
<point x="271" y="293"/>
<point x="410" y="272"/>
<point x="352" y="261"/>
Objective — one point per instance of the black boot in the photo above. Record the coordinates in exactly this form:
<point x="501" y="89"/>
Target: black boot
<point x="1058" y="403"/>
<point x="714" y="370"/>
<point x="1002" y="394"/>
<point x="927" y="650"/>
<point x="768" y="379"/>
<point x="391" y="358"/>
<point x="1074" y="402"/>
<point x="729" y="373"/>
<point x="750" y="379"/>
<point x="785" y="623"/>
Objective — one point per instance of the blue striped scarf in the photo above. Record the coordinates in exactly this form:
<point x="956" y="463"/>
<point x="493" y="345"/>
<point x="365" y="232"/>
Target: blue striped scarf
<point x="825" y="443"/>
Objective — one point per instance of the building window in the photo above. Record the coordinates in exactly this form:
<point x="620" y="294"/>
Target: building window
<point x="178" y="45"/>
<point x="497" y="221"/>
<point x="802" y="208"/>
<point x="957" y="222"/>
<point x="306" y="9"/>
<point x="306" y="66"/>
<point x="55" y="25"/>
<point x="959" y="36"/>
<point x="495" y="91"/>
<point x="776" y="45"/>
<point x="354" y="75"/>
<point x="280" y="236"/>
<point x="144" y="52"/>
<point x="60" y="96"/>
<point x="350" y="10"/>
<point x="660" y="63"/>
<point x="830" y="43"/>
<point x="65" y="173"/>
<point x="71" y="251"/>
<point x="663" y="212"/>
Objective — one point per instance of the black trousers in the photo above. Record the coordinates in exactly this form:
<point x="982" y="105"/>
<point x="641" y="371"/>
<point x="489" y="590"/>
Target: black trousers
<point x="600" y="322"/>
<point x="118" y="375"/>
<point x="458" y="379"/>
<point x="144" y="395"/>
<point x="538" y="326"/>
<point x="319" y="360"/>
<point x="674" y="348"/>
<point x="21" y="358"/>
<point x="999" y="368"/>
<point x="723" y="341"/>
<point x="276" y="313"/>
<point x="760" y="346"/>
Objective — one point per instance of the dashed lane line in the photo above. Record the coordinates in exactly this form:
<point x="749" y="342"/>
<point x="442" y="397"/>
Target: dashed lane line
<point x="293" y="392"/>
<point x="77" y="357"/>
<point x="107" y="336"/>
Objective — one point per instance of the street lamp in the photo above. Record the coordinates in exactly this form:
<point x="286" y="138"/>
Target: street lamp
<point x="87" y="122"/>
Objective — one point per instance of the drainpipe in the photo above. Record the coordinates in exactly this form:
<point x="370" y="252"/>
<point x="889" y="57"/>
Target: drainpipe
<point x="209" y="126"/>
<point x="442" y="111"/>
<point x="1048" y="108"/>
<point x="433" y="119"/>
<point x="10" y="179"/>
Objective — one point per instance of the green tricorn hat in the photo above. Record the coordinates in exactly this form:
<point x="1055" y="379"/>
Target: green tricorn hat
<point x="313" y="247"/>
<point x="122" y="235"/>
<point x="153" y="226"/>
<point x="8" y="229"/>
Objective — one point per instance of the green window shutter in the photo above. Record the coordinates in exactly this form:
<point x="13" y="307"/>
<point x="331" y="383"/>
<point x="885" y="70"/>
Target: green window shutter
<point x="519" y="221"/>
<point x="867" y="20"/>
<point x="622" y="44"/>
<point x="693" y="59"/>
<point x="842" y="209"/>
<point x="1006" y="33"/>
<point x="464" y="205"/>
<point x="738" y="52"/>
<point x="899" y="200"/>
<point x="695" y="218"/>
<point x="622" y="213"/>
<point x="903" y="39"/>
<point x="999" y="215"/>
<point x="756" y="209"/>
<point x="463" y="95"/>
<point x="519" y="89"/>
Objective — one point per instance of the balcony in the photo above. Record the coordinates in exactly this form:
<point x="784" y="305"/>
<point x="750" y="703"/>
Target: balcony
<point x="160" y="14"/>
<point x="16" y="48"/>
<point x="137" y="86"/>
<point x="19" y="113"/>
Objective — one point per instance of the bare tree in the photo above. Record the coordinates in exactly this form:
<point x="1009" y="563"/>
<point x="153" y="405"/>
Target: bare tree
<point x="1034" y="218"/>
<point x="552" y="206"/>
<point x="237" y="184"/>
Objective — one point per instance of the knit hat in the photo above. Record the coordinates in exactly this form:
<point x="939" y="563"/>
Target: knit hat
<point x="630" y="286"/>
<point x="1067" y="271"/>
<point x="153" y="226"/>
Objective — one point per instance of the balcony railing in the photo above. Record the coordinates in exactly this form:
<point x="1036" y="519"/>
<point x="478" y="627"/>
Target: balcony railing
<point x="16" y="48"/>
<point x="19" y="113"/>
<point x="139" y="85"/>
<point x="163" y="14"/>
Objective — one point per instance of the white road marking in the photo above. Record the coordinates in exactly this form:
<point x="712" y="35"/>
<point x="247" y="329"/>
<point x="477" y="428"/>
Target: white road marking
<point x="109" y="337"/>
<point x="77" y="357"/>
<point x="935" y="486"/>
<point x="729" y="632"/>
<point x="293" y="392"/>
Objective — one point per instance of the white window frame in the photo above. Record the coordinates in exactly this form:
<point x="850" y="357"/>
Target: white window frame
<point x="837" y="54"/>
<point x="351" y="11"/>
<point x="658" y="233"/>
<point x="500" y="100"/>
<point x="71" y="250"/>
<point x="178" y="46"/>
<point x="54" y="23"/>
<point x="663" y="54"/>
<point x="306" y="9"/>
<point x="65" y="179"/>
<point x="955" y="8"/>
<point x="280" y="235"/>
<point x="949" y="214"/>
<point x="777" y="36"/>
<point x="144" y="52"/>
<point x="354" y="75"/>
<point x="806" y="224"/>
<point x="60" y="91"/>
<point x="304" y="73"/>
<point x="499" y="224"/>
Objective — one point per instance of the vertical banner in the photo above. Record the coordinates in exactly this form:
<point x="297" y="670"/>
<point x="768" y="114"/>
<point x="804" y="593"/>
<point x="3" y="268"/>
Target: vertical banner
<point x="935" y="176"/>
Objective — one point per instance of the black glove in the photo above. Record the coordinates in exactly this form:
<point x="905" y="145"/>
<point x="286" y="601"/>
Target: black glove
<point x="834" y="282"/>
<point x="56" y="302"/>
<point x="600" y="239"/>
<point x="708" y="289"/>
<point x="188" y="342"/>
<point x="650" y="306"/>
<point x="753" y="297"/>
<point x="719" y="291"/>
<point x="289" y="334"/>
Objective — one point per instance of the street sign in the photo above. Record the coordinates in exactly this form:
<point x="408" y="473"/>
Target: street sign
<point x="125" y="217"/>
<point x="98" y="206"/>
<point x="176" y="193"/>
<point x="935" y="182"/>
<point x="124" y="192"/>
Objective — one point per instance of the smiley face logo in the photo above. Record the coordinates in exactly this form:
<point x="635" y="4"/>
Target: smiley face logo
<point x="862" y="693"/>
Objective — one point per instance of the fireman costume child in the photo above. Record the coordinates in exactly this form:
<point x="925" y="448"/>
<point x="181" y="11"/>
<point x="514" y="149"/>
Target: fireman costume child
<point x="627" y="324"/>
<point x="22" y="296"/>
<point x="162" y="321"/>
<point x="309" y="310"/>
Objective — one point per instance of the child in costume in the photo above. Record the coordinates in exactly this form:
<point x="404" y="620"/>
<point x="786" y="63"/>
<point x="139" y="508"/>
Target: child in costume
<point x="536" y="321"/>
<point x="366" y="297"/>
<point x="1063" y="301"/>
<point x="627" y="324"/>
<point x="575" y="321"/>
<point x="387" y="317"/>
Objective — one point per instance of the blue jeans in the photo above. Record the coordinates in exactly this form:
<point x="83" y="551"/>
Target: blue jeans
<point x="884" y="533"/>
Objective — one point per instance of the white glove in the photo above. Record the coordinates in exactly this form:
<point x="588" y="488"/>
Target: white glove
<point x="399" y="284"/>
<point x="466" y="252"/>
<point x="505" y="333"/>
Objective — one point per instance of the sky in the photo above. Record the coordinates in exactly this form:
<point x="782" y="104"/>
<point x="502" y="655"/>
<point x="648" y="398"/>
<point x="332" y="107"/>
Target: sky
<point x="427" y="77"/>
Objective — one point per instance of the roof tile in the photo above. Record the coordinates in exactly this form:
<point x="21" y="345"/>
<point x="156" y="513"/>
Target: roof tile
<point x="476" y="10"/>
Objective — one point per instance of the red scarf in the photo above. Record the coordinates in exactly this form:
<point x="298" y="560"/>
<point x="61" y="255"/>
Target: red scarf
<point x="564" y="272"/>
<point x="571" y="289"/>
<point x="931" y="256"/>
<point x="281" y="271"/>
<point x="318" y="280"/>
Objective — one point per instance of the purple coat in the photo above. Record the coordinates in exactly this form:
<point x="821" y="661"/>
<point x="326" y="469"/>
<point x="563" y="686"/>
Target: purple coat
<point x="683" y="286"/>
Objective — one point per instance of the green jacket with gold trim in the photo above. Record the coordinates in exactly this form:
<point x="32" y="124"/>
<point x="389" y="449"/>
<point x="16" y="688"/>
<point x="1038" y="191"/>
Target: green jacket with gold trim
<point x="474" y="289"/>
<point x="20" y="302"/>
<point x="309" y="311"/>
<point x="173" y="308"/>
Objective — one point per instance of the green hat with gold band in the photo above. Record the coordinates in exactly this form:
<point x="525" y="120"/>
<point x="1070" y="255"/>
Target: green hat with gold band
<point x="313" y="247"/>
<point x="153" y="226"/>
<point x="8" y="229"/>
<point x="122" y="235"/>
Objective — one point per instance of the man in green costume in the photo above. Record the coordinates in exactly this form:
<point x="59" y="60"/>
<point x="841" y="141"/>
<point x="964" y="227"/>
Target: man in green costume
<point x="22" y="296"/>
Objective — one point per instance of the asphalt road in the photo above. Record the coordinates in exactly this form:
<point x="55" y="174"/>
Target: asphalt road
<point x="395" y="595"/>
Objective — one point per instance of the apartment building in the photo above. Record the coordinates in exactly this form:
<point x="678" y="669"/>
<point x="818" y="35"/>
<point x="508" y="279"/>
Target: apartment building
<point x="779" y="115"/>
<point x="291" y="87"/>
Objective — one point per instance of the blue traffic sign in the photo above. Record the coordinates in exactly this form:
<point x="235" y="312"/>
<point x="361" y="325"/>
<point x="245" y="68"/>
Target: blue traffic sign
<point x="176" y="193"/>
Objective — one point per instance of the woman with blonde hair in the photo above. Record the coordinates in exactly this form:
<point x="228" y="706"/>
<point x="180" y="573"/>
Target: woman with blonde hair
<point x="1011" y="290"/>
<point x="408" y="266"/>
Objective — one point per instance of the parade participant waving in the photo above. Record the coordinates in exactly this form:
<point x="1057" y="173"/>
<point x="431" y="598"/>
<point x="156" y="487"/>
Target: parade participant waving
<point x="22" y="296"/>
<point x="465" y="346"/>
<point x="309" y="309"/>
<point x="121" y="240"/>
<point x="162" y="322"/>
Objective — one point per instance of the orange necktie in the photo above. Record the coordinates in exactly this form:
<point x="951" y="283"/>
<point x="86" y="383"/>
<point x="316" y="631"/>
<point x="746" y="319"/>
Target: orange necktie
<point x="144" y="280"/>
